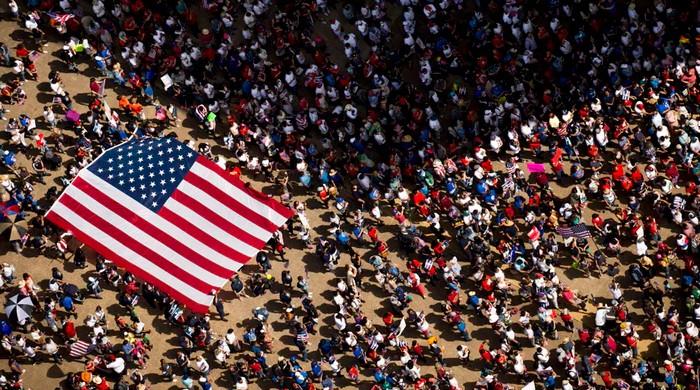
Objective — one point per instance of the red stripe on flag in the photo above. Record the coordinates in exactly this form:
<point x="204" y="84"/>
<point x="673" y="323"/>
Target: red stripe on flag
<point x="216" y="219"/>
<point x="269" y="202"/>
<point x="79" y="348"/>
<point x="123" y="263"/>
<point x="230" y="202"/>
<point x="202" y="236"/>
<point x="155" y="258"/>
<point x="152" y="230"/>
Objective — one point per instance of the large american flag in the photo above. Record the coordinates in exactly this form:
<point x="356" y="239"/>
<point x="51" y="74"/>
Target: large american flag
<point x="169" y="215"/>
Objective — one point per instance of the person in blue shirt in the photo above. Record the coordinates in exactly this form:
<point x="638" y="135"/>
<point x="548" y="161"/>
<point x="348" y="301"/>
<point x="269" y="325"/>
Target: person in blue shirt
<point x="300" y="377"/>
<point x="127" y="349"/>
<point x="294" y="362"/>
<point x="250" y="337"/>
<point x="327" y="382"/>
<point x="473" y="301"/>
<point x="68" y="305"/>
<point x="325" y="347"/>
<point x="343" y="239"/>
<point x="662" y="106"/>
<point x="148" y="92"/>
<point x="9" y="158"/>
<point x="101" y="65"/>
<point x="379" y="376"/>
<point x="550" y="382"/>
<point x="360" y="355"/>
<point x="5" y="328"/>
<point x="316" y="370"/>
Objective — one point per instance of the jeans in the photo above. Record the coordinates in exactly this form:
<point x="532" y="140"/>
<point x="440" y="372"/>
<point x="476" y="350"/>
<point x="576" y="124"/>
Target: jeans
<point x="51" y="323"/>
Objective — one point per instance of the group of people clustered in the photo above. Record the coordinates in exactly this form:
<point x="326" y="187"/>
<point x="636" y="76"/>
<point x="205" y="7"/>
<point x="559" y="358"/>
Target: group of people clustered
<point x="450" y="119"/>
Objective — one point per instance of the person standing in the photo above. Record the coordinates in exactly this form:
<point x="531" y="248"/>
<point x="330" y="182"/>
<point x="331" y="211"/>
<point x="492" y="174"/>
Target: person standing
<point x="463" y="354"/>
<point x="219" y="304"/>
<point x="302" y="341"/>
<point x="51" y="349"/>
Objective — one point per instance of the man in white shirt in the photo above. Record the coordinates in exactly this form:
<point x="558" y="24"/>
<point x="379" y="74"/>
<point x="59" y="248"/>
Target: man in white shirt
<point x="117" y="365"/>
<point x="601" y="316"/>
<point x="52" y="349"/>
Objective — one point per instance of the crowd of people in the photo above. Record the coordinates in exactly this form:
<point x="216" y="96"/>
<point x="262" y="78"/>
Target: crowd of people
<point x="449" y="125"/>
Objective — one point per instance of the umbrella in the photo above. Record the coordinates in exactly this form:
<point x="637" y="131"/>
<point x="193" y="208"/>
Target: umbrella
<point x="19" y="307"/>
<point x="17" y="227"/>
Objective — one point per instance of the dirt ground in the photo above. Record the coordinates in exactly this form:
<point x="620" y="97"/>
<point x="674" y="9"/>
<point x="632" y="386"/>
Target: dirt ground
<point x="45" y="374"/>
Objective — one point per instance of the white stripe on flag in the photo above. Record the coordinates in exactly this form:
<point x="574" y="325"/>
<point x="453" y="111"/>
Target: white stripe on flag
<point x="224" y="211"/>
<point x="207" y="226"/>
<point x="144" y="238"/>
<point x="129" y="255"/>
<point x="156" y="220"/>
<point x="79" y="348"/>
<point x="251" y="203"/>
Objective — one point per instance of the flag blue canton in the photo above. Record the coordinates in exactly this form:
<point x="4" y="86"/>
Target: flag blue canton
<point x="147" y="169"/>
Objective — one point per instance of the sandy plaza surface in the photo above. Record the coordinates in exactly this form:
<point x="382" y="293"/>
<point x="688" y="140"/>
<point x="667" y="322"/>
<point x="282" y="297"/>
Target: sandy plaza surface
<point x="303" y="261"/>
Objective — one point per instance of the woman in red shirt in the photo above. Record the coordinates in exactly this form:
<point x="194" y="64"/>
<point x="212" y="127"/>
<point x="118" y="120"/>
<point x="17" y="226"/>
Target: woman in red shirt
<point x="22" y="52"/>
<point x="652" y="228"/>
<point x="69" y="329"/>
